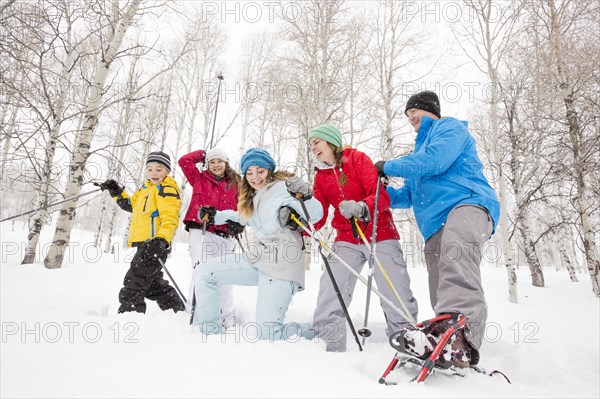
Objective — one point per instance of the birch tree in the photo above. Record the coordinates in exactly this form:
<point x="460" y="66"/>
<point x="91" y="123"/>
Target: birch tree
<point x="395" y="49"/>
<point x="490" y="38"/>
<point x="46" y="29"/>
<point x="258" y="50"/>
<point x="119" y="21"/>
<point x="569" y="33"/>
<point x="318" y="42"/>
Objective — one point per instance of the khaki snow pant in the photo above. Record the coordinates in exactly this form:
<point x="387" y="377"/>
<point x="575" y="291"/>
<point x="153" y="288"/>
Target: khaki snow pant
<point x="329" y="320"/>
<point x="453" y="257"/>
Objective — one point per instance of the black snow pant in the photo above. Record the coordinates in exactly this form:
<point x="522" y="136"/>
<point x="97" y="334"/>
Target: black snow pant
<point x="144" y="279"/>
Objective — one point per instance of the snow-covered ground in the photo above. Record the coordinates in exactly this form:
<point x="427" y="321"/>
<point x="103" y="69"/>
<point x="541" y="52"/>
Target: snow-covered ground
<point x="61" y="337"/>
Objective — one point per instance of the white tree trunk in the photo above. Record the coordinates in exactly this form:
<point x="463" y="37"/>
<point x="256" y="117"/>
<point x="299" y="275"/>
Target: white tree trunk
<point x="37" y="219"/>
<point x="490" y="45"/>
<point x="565" y="260"/>
<point x="522" y="223"/>
<point x="567" y="90"/>
<point x="66" y="219"/>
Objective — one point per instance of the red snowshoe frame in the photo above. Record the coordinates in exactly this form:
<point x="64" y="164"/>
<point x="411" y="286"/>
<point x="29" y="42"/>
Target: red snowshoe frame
<point x="457" y="323"/>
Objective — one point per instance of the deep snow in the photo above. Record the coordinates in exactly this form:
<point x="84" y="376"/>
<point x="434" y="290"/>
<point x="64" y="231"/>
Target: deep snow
<point x="61" y="337"/>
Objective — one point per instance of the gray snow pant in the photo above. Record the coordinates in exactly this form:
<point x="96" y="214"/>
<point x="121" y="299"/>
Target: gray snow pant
<point x="329" y="320"/>
<point x="453" y="256"/>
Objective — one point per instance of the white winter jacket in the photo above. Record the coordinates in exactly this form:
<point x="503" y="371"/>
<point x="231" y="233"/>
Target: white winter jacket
<point x="277" y="251"/>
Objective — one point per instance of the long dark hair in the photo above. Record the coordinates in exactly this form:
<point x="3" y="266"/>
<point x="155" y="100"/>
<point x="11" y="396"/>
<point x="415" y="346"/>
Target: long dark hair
<point x="233" y="176"/>
<point x="338" y="153"/>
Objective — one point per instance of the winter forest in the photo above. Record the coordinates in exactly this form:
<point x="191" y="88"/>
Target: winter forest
<point x="89" y="88"/>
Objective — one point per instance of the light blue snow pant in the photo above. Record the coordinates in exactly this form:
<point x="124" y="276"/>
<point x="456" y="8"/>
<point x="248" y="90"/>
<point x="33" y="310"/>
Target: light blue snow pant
<point x="207" y="246"/>
<point x="453" y="256"/>
<point x="329" y="320"/>
<point x="274" y="296"/>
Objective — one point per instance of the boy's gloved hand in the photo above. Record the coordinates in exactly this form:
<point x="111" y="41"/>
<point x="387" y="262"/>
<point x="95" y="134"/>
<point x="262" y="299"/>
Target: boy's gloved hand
<point x="207" y="214"/>
<point x="156" y="247"/>
<point x="114" y="188"/>
<point x="351" y="208"/>
<point x="234" y="229"/>
<point x="296" y="185"/>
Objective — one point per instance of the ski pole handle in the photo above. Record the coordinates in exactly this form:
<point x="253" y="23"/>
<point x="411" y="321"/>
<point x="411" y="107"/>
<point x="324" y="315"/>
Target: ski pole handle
<point x="354" y="224"/>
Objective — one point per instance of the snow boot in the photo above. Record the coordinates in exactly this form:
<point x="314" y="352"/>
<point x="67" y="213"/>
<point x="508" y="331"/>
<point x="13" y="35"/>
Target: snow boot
<point x="132" y="307"/>
<point x="421" y="340"/>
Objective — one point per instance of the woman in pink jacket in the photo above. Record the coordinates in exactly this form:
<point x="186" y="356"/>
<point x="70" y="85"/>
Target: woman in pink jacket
<point x="216" y="185"/>
<point x="347" y="180"/>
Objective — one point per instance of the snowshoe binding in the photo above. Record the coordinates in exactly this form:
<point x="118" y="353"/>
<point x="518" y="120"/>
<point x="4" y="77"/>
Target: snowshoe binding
<point x="436" y="344"/>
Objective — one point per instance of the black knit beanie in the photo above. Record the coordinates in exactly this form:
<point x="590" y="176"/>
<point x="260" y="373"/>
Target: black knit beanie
<point x="425" y="100"/>
<point x="161" y="158"/>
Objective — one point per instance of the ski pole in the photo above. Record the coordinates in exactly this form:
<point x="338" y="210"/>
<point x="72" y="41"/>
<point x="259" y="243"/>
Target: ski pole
<point x="237" y="238"/>
<point x="365" y="332"/>
<point x="363" y="280"/>
<point x="172" y="280"/>
<point x="49" y="205"/>
<point x="385" y="275"/>
<point x="210" y="144"/>
<point x="336" y="288"/>
<point x="193" y="307"/>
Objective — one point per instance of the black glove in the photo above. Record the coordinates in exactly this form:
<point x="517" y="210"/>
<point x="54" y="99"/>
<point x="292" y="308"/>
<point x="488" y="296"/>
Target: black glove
<point x="296" y="185"/>
<point x="234" y="229"/>
<point x="156" y="247"/>
<point x="379" y="167"/>
<point x="385" y="180"/>
<point x="114" y="188"/>
<point x="207" y="214"/>
<point x="285" y="218"/>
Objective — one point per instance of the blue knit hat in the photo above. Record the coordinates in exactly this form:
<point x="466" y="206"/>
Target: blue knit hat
<point x="327" y="132"/>
<point x="257" y="157"/>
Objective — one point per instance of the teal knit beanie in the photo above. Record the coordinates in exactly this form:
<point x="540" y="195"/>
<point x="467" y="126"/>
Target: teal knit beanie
<point x="328" y="133"/>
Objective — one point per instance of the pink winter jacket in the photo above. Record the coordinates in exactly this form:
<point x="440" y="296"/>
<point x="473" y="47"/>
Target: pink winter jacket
<point x="208" y="190"/>
<point x="362" y="178"/>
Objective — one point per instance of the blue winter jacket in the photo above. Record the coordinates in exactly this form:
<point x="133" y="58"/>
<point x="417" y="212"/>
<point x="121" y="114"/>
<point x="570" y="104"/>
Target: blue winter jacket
<point x="443" y="171"/>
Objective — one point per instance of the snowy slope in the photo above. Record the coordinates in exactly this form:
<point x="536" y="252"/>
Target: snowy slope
<point x="61" y="337"/>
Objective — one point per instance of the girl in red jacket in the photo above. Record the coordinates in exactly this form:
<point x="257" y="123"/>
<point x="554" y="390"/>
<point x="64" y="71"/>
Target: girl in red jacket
<point x="347" y="180"/>
<point x="216" y="186"/>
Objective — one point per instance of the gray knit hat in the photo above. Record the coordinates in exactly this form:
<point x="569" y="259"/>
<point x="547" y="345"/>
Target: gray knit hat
<point x="160" y="157"/>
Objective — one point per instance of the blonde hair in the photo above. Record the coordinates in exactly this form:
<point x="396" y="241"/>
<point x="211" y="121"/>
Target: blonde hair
<point x="246" y="196"/>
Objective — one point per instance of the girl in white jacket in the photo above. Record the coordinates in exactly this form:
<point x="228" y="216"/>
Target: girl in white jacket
<point x="274" y="261"/>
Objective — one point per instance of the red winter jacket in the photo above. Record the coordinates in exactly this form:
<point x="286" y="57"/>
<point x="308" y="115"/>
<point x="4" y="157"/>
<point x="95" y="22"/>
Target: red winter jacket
<point x="208" y="190"/>
<point x="361" y="185"/>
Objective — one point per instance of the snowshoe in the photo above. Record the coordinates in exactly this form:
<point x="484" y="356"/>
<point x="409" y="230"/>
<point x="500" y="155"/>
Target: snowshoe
<point x="421" y="340"/>
<point x="426" y="342"/>
<point x="437" y="344"/>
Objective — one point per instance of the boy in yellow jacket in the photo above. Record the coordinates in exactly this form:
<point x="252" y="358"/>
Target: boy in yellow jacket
<point x="155" y="207"/>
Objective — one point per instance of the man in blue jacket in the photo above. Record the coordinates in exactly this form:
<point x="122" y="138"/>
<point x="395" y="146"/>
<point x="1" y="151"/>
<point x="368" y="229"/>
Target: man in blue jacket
<point x="456" y="210"/>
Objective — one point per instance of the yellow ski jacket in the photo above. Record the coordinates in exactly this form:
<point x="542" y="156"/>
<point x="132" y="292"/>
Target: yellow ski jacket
<point x="155" y="211"/>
